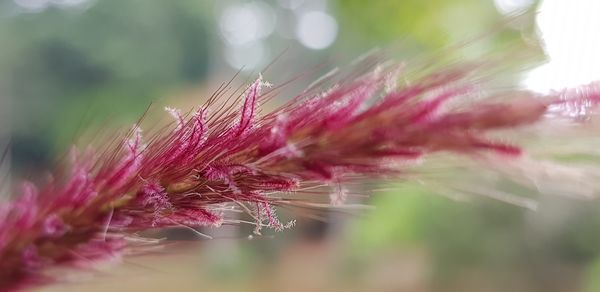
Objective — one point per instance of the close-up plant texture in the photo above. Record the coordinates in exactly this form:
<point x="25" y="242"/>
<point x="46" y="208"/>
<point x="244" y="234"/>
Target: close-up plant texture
<point x="445" y="158"/>
<point x="227" y="155"/>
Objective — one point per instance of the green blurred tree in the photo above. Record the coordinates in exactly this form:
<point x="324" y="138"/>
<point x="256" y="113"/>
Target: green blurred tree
<point x="111" y="58"/>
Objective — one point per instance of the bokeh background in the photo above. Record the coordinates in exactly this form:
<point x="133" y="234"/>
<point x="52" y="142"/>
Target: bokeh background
<point x="68" y="65"/>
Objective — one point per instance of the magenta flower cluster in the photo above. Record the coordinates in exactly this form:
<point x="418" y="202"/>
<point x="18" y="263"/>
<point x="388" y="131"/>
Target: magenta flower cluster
<point x="229" y="153"/>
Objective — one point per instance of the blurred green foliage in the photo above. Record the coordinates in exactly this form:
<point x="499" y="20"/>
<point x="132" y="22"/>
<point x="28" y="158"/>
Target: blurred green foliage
<point x="111" y="59"/>
<point x="458" y="233"/>
<point x="421" y="26"/>
<point x="483" y="234"/>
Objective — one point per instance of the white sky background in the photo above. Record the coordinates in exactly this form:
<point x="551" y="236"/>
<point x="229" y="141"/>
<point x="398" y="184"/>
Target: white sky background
<point x="570" y="31"/>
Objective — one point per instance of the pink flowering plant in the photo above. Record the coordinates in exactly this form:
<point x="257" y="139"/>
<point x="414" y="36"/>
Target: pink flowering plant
<point x="227" y="155"/>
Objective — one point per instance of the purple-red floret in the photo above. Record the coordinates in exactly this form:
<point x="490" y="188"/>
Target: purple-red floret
<point x="228" y="154"/>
